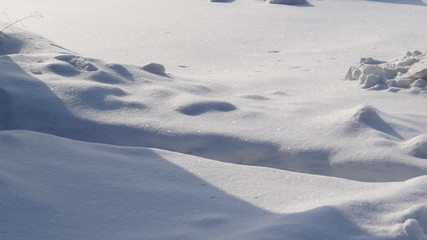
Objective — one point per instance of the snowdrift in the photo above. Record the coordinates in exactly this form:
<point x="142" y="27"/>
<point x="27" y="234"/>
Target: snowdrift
<point x="94" y="149"/>
<point x="55" y="188"/>
<point x="53" y="90"/>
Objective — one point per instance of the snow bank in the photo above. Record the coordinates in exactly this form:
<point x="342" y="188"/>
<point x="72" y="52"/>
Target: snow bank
<point x="408" y="72"/>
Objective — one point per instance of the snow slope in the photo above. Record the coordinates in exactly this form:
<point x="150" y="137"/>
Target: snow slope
<point x="54" y="188"/>
<point x="249" y="134"/>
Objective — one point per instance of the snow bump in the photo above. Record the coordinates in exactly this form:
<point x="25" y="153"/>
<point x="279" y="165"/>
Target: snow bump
<point x="155" y="68"/>
<point x="199" y="108"/>
<point x="417" y="146"/>
<point x="288" y="2"/>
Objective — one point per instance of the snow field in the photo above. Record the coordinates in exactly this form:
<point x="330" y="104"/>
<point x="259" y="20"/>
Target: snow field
<point x="234" y="126"/>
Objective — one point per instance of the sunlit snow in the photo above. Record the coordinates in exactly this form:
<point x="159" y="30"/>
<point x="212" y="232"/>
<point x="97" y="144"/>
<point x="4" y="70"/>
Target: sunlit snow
<point x="191" y="119"/>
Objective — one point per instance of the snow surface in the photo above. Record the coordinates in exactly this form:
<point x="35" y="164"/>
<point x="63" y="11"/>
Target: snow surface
<point x="191" y="119"/>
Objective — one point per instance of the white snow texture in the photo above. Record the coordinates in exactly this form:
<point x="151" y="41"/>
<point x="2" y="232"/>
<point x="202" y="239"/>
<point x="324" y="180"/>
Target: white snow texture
<point x="191" y="119"/>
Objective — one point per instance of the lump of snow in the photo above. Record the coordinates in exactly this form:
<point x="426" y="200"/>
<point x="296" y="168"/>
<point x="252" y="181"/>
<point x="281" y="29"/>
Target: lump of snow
<point x="413" y="230"/>
<point x="288" y="2"/>
<point x="370" y="60"/>
<point x="223" y="1"/>
<point x="372" y="80"/>
<point x="406" y="72"/>
<point x="155" y="68"/>
<point x="420" y="83"/>
<point x="366" y="114"/>
<point x="417" y="146"/>
<point x="392" y="73"/>
<point x="198" y="108"/>
<point x="415" y="53"/>
<point x="407" y="62"/>
<point x="401" y="83"/>
<point x="353" y="73"/>
<point x="419" y="70"/>
<point x="372" y="69"/>
<point x="374" y="72"/>
<point x="79" y="63"/>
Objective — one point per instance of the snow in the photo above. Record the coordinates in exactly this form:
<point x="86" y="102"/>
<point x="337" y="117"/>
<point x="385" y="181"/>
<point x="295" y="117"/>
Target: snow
<point x="409" y="71"/>
<point x="155" y="68"/>
<point x="193" y="119"/>
<point x="288" y="2"/>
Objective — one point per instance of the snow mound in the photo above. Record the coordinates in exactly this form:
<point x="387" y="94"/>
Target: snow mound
<point x="408" y="72"/>
<point x="368" y="117"/>
<point x="198" y="108"/>
<point x="412" y="230"/>
<point x="415" y="225"/>
<point x="417" y="146"/>
<point x="155" y="68"/>
<point x="386" y="143"/>
<point x="222" y="1"/>
<point x="77" y="62"/>
<point x="288" y="2"/>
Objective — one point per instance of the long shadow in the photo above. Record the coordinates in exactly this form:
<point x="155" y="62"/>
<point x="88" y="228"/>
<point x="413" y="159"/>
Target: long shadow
<point x="408" y="2"/>
<point x="9" y="44"/>
<point x="56" y="188"/>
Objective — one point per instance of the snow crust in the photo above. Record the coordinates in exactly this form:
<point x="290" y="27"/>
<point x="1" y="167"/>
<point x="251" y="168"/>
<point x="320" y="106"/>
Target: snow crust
<point x="240" y="129"/>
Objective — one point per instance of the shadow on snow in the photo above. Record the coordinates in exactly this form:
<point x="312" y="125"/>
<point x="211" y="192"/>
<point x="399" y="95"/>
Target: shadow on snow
<point x="55" y="188"/>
